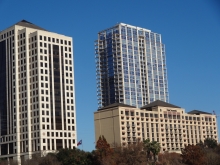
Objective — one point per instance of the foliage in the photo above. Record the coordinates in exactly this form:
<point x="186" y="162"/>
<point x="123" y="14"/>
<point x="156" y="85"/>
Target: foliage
<point x="147" y="147"/>
<point x="210" y="143"/>
<point x="170" y="159"/>
<point x="151" y="147"/>
<point x="103" y="149"/>
<point x="140" y="153"/>
<point x="132" y="154"/>
<point x="155" y="148"/>
<point x="193" y="155"/>
<point x="74" y="157"/>
<point x="211" y="157"/>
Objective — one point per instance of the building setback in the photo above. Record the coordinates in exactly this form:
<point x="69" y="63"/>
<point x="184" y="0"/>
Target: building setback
<point x="159" y="121"/>
<point x="37" y="95"/>
<point x="130" y="66"/>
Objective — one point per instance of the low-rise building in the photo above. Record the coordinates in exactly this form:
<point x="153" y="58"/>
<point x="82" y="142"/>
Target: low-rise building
<point x="159" y="121"/>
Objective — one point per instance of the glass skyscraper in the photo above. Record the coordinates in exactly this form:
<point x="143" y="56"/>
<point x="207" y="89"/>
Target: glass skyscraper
<point x="130" y="66"/>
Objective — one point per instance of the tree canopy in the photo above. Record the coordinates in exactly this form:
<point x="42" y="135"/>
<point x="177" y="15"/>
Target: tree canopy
<point x="193" y="155"/>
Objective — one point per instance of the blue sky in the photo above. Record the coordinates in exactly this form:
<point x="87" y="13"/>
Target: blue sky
<point x="190" y="31"/>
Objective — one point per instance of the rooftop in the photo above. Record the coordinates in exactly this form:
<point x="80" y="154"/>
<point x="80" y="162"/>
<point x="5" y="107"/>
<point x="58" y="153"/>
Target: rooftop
<point x="159" y="103"/>
<point x="197" y="112"/>
<point x="116" y="105"/>
<point x="128" y="25"/>
<point x="29" y="25"/>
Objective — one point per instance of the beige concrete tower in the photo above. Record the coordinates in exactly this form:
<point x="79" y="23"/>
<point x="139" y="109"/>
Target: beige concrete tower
<point x="37" y="95"/>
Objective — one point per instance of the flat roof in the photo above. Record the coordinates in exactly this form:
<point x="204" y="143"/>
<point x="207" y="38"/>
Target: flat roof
<point x="115" y="105"/>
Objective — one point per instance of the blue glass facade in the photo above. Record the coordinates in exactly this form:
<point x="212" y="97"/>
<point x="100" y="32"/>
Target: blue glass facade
<point x="131" y="66"/>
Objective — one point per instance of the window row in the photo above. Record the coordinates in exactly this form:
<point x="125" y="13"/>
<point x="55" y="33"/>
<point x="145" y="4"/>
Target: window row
<point x="49" y="39"/>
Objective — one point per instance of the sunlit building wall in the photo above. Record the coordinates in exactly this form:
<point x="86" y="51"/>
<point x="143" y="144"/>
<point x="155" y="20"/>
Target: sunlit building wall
<point x="37" y="95"/>
<point x="158" y="121"/>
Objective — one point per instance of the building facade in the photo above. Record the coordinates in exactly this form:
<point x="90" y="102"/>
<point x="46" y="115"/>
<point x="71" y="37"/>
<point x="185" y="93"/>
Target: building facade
<point x="130" y="66"/>
<point x="37" y="95"/>
<point x="159" y="121"/>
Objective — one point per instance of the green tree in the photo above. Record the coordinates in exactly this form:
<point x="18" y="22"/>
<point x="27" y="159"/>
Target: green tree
<point x="151" y="147"/>
<point x="147" y="147"/>
<point x="210" y="143"/>
<point x="74" y="157"/>
<point x="155" y="149"/>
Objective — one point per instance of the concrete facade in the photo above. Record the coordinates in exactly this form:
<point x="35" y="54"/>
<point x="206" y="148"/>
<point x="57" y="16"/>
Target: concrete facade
<point x="37" y="92"/>
<point x="159" y="121"/>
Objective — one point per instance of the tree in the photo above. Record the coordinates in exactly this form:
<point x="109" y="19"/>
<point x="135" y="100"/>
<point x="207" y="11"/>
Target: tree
<point x="170" y="159"/>
<point x="103" y="148"/>
<point x="147" y="147"/>
<point x="193" y="155"/>
<point x="132" y="154"/>
<point x="152" y="147"/>
<point x="210" y="143"/>
<point x="155" y="149"/>
<point x="201" y="144"/>
<point x="74" y="157"/>
<point x="211" y="158"/>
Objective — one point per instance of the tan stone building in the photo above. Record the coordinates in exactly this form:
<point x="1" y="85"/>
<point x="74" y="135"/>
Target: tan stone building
<point x="159" y="121"/>
<point x="37" y="92"/>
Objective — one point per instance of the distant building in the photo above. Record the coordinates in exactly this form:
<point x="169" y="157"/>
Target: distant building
<point x="159" y="121"/>
<point x="37" y="95"/>
<point x="130" y="66"/>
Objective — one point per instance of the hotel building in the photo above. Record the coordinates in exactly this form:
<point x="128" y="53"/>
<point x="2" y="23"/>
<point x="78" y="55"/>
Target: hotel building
<point x="159" y="121"/>
<point x="37" y="95"/>
<point x="130" y="66"/>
